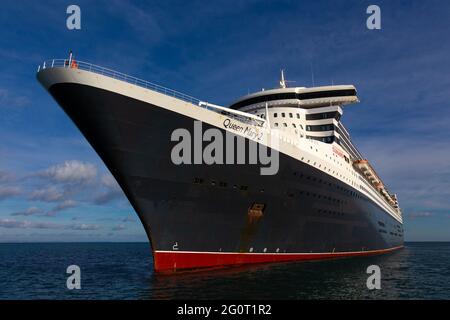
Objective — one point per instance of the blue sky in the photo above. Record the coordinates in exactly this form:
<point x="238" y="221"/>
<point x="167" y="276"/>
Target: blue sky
<point x="53" y="187"/>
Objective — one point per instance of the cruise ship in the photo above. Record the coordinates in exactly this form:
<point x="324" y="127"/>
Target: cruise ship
<point x="323" y="201"/>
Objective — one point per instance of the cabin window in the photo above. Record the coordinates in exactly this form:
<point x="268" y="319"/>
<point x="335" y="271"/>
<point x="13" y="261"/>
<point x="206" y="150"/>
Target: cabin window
<point x="325" y="115"/>
<point x="283" y="114"/>
<point x="275" y="115"/>
<point x="285" y="124"/>
<point x="290" y="115"/>
<point x="328" y="127"/>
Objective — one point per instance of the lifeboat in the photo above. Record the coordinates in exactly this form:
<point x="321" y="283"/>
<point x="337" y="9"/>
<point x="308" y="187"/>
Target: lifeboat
<point x="371" y="176"/>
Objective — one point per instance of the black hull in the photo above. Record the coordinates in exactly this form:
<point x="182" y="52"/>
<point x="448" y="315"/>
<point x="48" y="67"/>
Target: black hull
<point x="202" y="208"/>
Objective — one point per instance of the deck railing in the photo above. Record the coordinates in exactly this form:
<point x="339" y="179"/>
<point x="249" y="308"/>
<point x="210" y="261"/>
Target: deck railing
<point x="66" y="63"/>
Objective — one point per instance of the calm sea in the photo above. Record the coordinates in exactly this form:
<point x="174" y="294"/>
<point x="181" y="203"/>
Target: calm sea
<point x="124" y="271"/>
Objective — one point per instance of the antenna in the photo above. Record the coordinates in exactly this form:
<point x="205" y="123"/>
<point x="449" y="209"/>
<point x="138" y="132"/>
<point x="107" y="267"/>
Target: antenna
<point x="312" y="74"/>
<point x="282" y="81"/>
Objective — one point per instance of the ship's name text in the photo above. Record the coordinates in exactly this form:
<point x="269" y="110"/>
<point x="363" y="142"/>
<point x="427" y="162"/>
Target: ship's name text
<point x="247" y="131"/>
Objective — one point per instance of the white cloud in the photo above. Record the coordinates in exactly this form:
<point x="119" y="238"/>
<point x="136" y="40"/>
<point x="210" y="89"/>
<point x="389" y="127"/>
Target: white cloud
<point x="113" y="190"/>
<point x="66" y="204"/>
<point x="83" y="226"/>
<point x="11" y="100"/>
<point x="128" y="219"/>
<point x="28" y="212"/>
<point x="72" y="171"/>
<point x="421" y="214"/>
<point x="15" y="224"/>
<point x="8" y="192"/>
<point x="50" y="194"/>
<point x="119" y="227"/>
<point x="107" y="197"/>
<point x="109" y="181"/>
<point x="416" y="169"/>
<point x="5" y="177"/>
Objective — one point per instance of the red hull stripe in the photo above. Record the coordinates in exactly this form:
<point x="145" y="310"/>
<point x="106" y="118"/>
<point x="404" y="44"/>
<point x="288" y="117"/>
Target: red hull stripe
<point x="167" y="261"/>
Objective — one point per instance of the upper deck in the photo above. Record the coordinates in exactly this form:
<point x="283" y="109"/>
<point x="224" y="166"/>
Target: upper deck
<point x="301" y="96"/>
